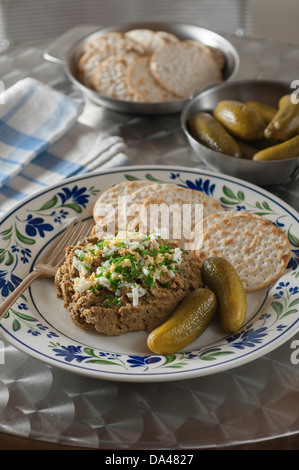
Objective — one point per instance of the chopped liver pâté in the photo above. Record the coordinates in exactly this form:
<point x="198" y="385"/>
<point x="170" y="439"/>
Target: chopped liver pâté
<point x="126" y="282"/>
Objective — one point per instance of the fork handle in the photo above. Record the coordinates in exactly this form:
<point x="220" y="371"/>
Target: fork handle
<point x="5" y="306"/>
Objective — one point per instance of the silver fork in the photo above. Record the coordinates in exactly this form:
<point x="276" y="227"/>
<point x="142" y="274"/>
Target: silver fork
<point x="48" y="265"/>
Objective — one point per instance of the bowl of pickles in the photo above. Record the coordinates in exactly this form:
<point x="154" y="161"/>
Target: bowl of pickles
<point x="248" y="129"/>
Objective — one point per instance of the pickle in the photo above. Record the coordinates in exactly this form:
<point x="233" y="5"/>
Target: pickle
<point x="209" y="132"/>
<point x="247" y="149"/>
<point x="240" y="119"/>
<point x="285" y="123"/>
<point x="186" y="324"/>
<point x="287" y="149"/>
<point x="284" y="101"/>
<point x="264" y="143"/>
<point x="265" y="110"/>
<point x="222" y="278"/>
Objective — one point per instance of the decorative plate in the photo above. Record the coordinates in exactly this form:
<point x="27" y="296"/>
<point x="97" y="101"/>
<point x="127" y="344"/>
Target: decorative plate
<point x="38" y="325"/>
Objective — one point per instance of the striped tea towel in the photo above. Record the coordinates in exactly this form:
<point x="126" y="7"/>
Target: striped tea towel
<point x="41" y="141"/>
<point x="32" y="117"/>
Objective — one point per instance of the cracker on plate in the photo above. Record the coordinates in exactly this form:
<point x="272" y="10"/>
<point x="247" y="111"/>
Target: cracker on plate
<point x="173" y="194"/>
<point x="223" y="214"/>
<point x="110" y="196"/>
<point x="258" y="249"/>
<point x="135" y="193"/>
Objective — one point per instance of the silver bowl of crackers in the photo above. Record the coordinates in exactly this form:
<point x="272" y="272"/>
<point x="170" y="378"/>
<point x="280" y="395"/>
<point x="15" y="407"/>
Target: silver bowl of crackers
<point x="245" y="164"/>
<point x="149" y="68"/>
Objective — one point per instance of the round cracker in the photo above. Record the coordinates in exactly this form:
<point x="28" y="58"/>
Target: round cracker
<point x="97" y="65"/>
<point x="178" y="195"/>
<point x="148" y="38"/>
<point x="218" y="56"/>
<point x="151" y="40"/>
<point x="110" y="196"/>
<point x="256" y="248"/>
<point x="101" y="48"/>
<point x="136" y="200"/>
<point x="142" y="82"/>
<point x="135" y="192"/>
<point x="110" y="79"/>
<point x="217" y="216"/>
<point x="112" y="44"/>
<point x="115" y="42"/>
<point x="101" y="44"/>
<point x="184" y="67"/>
<point x="139" y="195"/>
<point x="168" y="37"/>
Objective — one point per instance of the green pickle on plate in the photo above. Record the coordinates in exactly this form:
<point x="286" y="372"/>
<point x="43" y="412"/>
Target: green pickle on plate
<point x="222" y="278"/>
<point x="186" y="324"/>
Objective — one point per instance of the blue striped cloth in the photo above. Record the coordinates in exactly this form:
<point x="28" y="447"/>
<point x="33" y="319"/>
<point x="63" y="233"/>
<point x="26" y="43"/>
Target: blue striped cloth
<point x="41" y="141"/>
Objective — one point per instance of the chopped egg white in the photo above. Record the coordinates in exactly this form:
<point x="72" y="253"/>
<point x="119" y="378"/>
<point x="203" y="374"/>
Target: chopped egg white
<point x="125" y="258"/>
<point x="81" y="284"/>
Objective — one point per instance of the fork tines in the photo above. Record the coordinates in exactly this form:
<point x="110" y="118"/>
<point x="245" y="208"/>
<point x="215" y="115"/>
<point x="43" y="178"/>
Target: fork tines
<point x="75" y="231"/>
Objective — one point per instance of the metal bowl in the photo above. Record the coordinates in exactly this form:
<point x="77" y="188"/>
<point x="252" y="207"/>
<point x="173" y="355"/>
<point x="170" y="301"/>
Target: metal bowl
<point x="261" y="173"/>
<point x="183" y="31"/>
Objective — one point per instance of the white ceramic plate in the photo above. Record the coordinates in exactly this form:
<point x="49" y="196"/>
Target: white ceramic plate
<point x="38" y="324"/>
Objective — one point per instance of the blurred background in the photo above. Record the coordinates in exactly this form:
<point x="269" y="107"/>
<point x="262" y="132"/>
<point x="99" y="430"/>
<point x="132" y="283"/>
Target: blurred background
<point x="25" y="21"/>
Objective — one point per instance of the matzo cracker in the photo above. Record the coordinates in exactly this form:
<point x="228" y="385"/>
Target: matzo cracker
<point x="142" y="82"/>
<point x="256" y="248"/>
<point x="185" y="66"/>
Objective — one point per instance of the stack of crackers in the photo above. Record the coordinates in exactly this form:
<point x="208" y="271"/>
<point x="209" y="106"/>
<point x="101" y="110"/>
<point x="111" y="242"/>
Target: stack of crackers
<point x="256" y="248"/>
<point x="142" y="65"/>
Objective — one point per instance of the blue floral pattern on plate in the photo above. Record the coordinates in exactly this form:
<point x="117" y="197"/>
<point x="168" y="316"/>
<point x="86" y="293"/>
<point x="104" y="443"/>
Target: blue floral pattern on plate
<point x="25" y="230"/>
